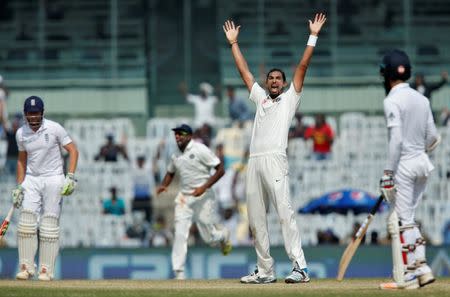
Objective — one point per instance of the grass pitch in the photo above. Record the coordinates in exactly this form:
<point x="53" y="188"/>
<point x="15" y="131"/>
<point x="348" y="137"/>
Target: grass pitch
<point x="211" y="288"/>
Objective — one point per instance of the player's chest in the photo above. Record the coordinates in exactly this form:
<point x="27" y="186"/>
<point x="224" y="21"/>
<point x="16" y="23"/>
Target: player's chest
<point x="40" y="141"/>
<point x="188" y="161"/>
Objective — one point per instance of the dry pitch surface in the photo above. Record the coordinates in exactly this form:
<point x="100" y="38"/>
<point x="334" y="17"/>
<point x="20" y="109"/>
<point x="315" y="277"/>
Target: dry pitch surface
<point x="211" y="288"/>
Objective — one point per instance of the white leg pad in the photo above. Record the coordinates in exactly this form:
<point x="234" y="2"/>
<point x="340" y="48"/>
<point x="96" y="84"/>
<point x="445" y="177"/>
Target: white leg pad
<point x="48" y="246"/>
<point x="398" y="270"/>
<point x="27" y="241"/>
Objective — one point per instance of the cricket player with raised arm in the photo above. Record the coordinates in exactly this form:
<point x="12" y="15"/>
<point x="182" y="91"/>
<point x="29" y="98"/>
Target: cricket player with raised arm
<point x="267" y="173"/>
<point x="40" y="185"/>
<point x="412" y="135"/>
<point x="195" y="202"/>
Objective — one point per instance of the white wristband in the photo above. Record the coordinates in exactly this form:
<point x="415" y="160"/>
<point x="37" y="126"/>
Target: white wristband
<point x="312" y="40"/>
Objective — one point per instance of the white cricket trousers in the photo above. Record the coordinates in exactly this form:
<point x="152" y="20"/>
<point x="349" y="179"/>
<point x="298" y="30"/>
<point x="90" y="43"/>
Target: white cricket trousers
<point x="268" y="180"/>
<point x="200" y="210"/>
<point x="410" y="179"/>
<point x="43" y="194"/>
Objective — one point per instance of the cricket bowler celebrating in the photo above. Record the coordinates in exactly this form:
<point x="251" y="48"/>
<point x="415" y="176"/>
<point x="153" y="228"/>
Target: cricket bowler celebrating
<point x="267" y="174"/>
<point x="196" y="201"/>
<point x="40" y="184"/>
<point x="412" y="134"/>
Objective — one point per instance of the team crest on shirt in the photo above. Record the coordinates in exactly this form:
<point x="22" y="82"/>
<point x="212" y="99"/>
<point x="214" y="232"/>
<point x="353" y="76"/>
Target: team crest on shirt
<point x="191" y="156"/>
<point x="46" y="137"/>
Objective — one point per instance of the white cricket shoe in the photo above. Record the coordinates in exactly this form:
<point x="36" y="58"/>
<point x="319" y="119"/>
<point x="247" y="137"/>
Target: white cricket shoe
<point x="424" y="275"/>
<point x="225" y="244"/>
<point x="411" y="283"/>
<point x="255" y="278"/>
<point x="44" y="274"/>
<point x="298" y="276"/>
<point x="179" y="275"/>
<point x="24" y="273"/>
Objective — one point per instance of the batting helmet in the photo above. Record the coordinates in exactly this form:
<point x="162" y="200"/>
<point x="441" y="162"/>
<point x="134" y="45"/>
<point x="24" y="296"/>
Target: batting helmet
<point x="33" y="104"/>
<point x="395" y="65"/>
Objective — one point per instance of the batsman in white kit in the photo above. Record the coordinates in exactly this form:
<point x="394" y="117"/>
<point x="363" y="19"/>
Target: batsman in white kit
<point x="412" y="135"/>
<point x="195" y="201"/>
<point x="267" y="173"/>
<point x="40" y="186"/>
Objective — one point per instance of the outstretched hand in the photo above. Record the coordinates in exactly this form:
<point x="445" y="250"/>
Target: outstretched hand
<point x="231" y="31"/>
<point x="316" y="25"/>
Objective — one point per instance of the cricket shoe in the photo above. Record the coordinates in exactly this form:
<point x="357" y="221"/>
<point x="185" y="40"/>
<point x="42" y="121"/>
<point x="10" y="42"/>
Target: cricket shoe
<point x="255" y="278"/>
<point x="44" y="274"/>
<point x="424" y="275"/>
<point x="411" y="283"/>
<point x="179" y="275"/>
<point x="24" y="273"/>
<point x="225" y="244"/>
<point x="298" y="275"/>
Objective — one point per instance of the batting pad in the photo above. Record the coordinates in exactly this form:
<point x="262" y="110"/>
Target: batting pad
<point x="27" y="239"/>
<point x="48" y="243"/>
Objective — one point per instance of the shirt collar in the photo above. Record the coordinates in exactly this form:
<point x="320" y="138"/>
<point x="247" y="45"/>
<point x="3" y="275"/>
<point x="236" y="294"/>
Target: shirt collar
<point x="41" y="128"/>
<point x="399" y="86"/>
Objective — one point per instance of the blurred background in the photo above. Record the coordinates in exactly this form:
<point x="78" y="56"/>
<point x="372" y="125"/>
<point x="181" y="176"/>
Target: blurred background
<point x="120" y="74"/>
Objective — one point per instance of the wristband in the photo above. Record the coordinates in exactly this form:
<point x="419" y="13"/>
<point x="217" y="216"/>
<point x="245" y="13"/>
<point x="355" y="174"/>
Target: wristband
<point x="233" y="42"/>
<point x="312" y="40"/>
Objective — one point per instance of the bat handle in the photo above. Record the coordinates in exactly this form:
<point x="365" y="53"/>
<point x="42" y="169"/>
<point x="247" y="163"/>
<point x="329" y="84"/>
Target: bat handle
<point x="363" y="226"/>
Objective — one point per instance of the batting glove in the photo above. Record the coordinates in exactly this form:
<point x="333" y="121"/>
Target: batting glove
<point x="17" y="196"/>
<point x="69" y="184"/>
<point x="387" y="187"/>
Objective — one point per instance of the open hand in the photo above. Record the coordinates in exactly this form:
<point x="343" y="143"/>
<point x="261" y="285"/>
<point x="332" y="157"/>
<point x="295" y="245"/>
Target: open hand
<point x="231" y="31"/>
<point x="316" y="25"/>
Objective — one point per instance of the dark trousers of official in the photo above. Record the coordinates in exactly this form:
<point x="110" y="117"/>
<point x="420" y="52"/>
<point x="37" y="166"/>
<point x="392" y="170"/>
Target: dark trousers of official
<point x="143" y="204"/>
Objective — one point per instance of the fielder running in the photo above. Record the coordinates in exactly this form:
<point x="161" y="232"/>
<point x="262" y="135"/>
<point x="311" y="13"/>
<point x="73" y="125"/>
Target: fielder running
<point x="196" y="201"/>
<point x="267" y="173"/>
<point x="40" y="184"/>
<point x="412" y="134"/>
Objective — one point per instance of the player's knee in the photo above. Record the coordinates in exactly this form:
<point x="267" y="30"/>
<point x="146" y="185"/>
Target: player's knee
<point x="49" y="227"/>
<point x="27" y="222"/>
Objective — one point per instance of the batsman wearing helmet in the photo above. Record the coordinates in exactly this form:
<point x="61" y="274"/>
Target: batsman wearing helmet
<point x="268" y="172"/>
<point x="412" y="135"/>
<point x="40" y="185"/>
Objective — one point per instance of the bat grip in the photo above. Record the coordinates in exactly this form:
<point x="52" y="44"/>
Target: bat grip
<point x="363" y="226"/>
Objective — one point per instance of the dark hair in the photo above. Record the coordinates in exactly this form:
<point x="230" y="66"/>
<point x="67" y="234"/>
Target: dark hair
<point x="276" y="69"/>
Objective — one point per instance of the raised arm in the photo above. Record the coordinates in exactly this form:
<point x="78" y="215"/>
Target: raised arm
<point x="300" y="70"/>
<point x="231" y="33"/>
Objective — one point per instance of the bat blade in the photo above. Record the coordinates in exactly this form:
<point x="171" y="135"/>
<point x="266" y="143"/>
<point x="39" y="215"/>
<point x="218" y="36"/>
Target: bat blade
<point x="353" y="246"/>
<point x="5" y="223"/>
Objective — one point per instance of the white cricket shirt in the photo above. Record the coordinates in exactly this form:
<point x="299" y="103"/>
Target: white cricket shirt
<point x="204" y="109"/>
<point x="193" y="165"/>
<point x="43" y="148"/>
<point x="272" y="120"/>
<point x="410" y="110"/>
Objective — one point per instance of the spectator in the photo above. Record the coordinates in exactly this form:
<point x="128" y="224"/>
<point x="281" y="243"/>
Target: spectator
<point x="374" y="238"/>
<point x="160" y="234"/>
<point x="327" y="237"/>
<point x="425" y="88"/>
<point x="110" y="151"/>
<point x="114" y="205"/>
<point x="144" y="184"/>
<point x="12" y="152"/>
<point x="3" y="96"/>
<point x="204" y="103"/>
<point x="238" y="110"/>
<point x="322" y="135"/>
<point x="138" y="227"/>
<point x="204" y="134"/>
<point x="298" y="131"/>
<point x="444" y="116"/>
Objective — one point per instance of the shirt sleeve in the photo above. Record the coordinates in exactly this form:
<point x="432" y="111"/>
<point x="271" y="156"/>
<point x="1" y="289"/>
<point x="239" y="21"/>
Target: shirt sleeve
<point x="19" y="141"/>
<point x="61" y="134"/>
<point x="257" y="94"/>
<point x="293" y="96"/>
<point x="394" y="148"/>
<point x="171" y="166"/>
<point x="207" y="157"/>
<point x="191" y="98"/>
<point x="391" y="114"/>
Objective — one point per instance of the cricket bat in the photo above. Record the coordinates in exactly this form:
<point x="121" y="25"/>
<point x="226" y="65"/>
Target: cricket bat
<point x="5" y="223"/>
<point x="356" y="240"/>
